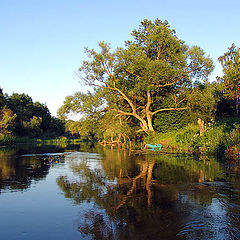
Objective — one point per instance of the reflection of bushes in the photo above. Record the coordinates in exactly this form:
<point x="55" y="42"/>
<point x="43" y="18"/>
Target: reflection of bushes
<point x="218" y="140"/>
<point x="18" y="175"/>
<point x="179" y="169"/>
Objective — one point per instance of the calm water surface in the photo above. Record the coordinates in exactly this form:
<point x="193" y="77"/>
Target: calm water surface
<point x="96" y="193"/>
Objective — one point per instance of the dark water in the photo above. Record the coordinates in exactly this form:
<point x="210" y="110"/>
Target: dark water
<point x="94" y="193"/>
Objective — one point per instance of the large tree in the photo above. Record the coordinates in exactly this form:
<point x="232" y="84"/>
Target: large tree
<point x="153" y="66"/>
<point x="230" y="62"/>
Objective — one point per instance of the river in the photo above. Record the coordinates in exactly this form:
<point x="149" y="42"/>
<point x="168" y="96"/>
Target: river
<point x="86" y="192"/>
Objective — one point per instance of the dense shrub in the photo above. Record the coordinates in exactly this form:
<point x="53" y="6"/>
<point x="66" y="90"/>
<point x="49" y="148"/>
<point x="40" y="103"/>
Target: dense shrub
<point x="220" y="139"/>
<point x="6" y="139"/>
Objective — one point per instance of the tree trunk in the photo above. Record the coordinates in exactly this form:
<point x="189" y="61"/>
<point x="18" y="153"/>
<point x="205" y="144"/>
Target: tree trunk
<point x="149" y="114"/>
<point x="130" y="143"/>
<point x="144" y="126"/>
<point x="149" y="121"/>
<point x="201" y="126"/>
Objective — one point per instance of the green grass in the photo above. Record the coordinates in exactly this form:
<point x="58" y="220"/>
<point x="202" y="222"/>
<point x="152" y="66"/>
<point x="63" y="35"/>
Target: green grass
<point x="220" y="139"/>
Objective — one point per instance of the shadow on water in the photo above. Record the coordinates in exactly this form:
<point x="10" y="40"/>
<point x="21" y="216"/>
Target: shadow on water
<point x="154" y="197"/>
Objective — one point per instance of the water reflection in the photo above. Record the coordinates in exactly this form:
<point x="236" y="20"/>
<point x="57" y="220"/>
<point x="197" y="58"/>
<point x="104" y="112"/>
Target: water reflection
<point x="153" y="197"/>
<point x="18" y="169"/>
<point x="18" y="173"/>
<point x="110" y="194"/>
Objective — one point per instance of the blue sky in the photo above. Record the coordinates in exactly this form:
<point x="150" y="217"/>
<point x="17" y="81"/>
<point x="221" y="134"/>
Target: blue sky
<point x="42" y="41"/>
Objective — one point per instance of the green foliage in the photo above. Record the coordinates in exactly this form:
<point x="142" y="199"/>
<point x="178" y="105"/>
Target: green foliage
<point x="220" y="139"/>
<point x="88" y="104"/>
<point x="172" y="120"/>
<point x="201" y="102"/>
<point x="2" y="99"/>
<point x="153" y="67"/>
<point x="115" y="128"/>
<point x="74" y="127"/>
<point x="231" y="68"/>
<point x="6" y="139"/>
<point x="32" y="119"/>
<point x="20" y="116"/>
<point x="56" y="128"/>
<point x="186" y="137"/>
<point x="22" y="105"/>
<point x="32" y="127"/>
<point x="7" y="121"/>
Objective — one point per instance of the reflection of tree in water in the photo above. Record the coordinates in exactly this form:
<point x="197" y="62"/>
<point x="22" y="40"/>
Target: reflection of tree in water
<point x="18" y="173"/>
<point x="140" y="199"/>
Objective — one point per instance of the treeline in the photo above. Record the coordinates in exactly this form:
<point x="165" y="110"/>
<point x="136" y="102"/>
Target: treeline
<point x="155" y="84"/>
<point x="21" y="117"/>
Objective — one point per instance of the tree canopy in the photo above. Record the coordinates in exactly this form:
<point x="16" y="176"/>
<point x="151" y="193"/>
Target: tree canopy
<point x="137" y="79"/>
<point x="230" y="62"/>
<point x="21" y="116"/>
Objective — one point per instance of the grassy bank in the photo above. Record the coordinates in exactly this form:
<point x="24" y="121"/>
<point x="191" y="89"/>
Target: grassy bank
<point x="220" y="139"/>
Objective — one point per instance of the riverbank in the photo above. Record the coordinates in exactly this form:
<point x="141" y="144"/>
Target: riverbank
<point x="10" y="140"/>
<point x="221" y="139"/>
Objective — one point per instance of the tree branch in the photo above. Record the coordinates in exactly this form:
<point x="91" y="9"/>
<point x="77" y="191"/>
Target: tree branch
<point x="169" y="109"/>
<point x="121" y="112"/>
<point x="149" y="101"/>
<point x="133" y="73"/>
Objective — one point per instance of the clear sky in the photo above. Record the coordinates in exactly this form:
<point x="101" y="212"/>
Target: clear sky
<point x="42" y="41"/>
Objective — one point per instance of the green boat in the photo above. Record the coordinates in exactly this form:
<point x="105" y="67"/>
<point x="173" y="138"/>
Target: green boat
<point x="155" y="147"/>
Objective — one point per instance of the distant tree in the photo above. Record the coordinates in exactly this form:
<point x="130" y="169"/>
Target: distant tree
<point x="41" y="111"/>
<point x="22" y="105"/>
<point x="230" y="62"/>
<point x="33" y="118"/>
<point x="2" y="99"/>
<point x="7" y="121"/>
<point x="32" y="127"/>
<point x="56" y="128"/>
<point x="154" y="66"/>
<point x="89" y="106"/>
<point x="74" y="127"/>
<point x="86" y="104"/>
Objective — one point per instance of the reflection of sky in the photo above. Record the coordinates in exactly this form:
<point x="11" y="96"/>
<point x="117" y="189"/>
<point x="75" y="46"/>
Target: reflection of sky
<point x="41" y="212"/>
<point x="209" y="221"/>
<point x="219" y="221"/>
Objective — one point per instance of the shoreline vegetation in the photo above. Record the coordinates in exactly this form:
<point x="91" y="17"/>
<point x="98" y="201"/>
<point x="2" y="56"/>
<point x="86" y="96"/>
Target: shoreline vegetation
<point x="155" y="89"/>
<point x="221" y="140"/>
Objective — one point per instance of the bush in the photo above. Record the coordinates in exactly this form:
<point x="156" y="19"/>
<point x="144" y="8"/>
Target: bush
<point x="6" y="140"/>
<point x="220" y="139"/>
